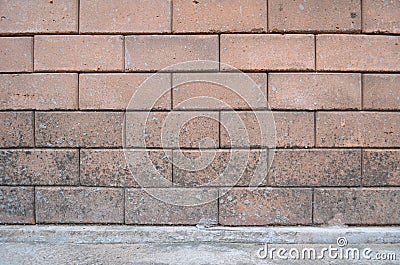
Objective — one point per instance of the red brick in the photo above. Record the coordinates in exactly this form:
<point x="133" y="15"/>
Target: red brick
<point x="381" y="91"/>
<point x="219" y="91"/>
<point x="358" y="129"/>
<point x="314" y="16"/>
<point x="315" y="168"/>
<point x="16" y="129"/>
<point x="172" y="129"/>
<point x="281" y="129"/>
<point x="79" y="205"/>
<point x="265" y="206"/>
<point x="357" y="206"/>
<point x="78" y="53"/>
<point x="152" y="53"/>
<point x="314" y="91"/>
<point x="37" y="16"/>
<point x="220" y="16"/>
<point x="39" y="91"/>
<point x="115" y="91"/>
<point x="122" y="168"/>
<point x="79" y="129"/>
<point x="381" y="16"/>
<point x="357" y="53"/>
<point x="226" y="168"/>
<point x="16" y="54"/>
<point x="139" y="16"/>
<point x="16" y="205"/>
<point x="267" y="52"/>
<point x="143" y="208"/>
<point x="381" y="168"/>
<point x="39" y="167"/>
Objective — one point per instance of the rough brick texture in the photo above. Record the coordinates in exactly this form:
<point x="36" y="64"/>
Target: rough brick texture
<point x="16" y="54"/>
<point x="39" y="91"/>
<point x="314" y="16"/>
<point x="187" y="112"/>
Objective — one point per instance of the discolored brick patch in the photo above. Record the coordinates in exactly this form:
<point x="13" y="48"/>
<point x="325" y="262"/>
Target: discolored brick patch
<point x="16" y="129"/>
<point x="220" y="168"/>
<point x="264" y="206"/>
<point x="314" y="16"/>
<point x="79" y="129"/>
<point x="315" y="168"/>
<point x="142" y="208"/>
<point x="126" y="168"/>
<point x="16" y="205"/>
<point x="79" y="205"/>
<point x="375" y="206"/>
<point x="381" y="167"/>
<point x="39" y="167"/>
<point x="39" y="91"/>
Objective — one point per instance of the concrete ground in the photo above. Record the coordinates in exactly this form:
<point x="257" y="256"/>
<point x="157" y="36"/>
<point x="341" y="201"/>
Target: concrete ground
<point x="85" y="244"/>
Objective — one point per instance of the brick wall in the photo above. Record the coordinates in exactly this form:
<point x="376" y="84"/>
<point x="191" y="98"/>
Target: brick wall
<point x="70" y="153"/>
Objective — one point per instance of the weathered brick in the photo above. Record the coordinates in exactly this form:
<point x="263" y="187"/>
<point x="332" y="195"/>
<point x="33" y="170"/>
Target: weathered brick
<point x="219" y="91"/>
<point x="36" y="16"/>
<point x="315" y="168"/>
<point x="314" y="16"/>
<point x="79" y="205"/>
<point x="115" y="91"/>
<point x="78" y="53"/>
<point x="357" y="53"/>
<point x="143" y="208"/>
<point x="125" y="168"/>
<point x="358" y="129"/>
<point x="314" y="91"/>
<point x="152" y="53"/>
<point x="267" y="52"/>
<point x="39" y="91"/>
<point x="16" y="54"/>
<point x="265" y="206"/>
<point x="381" y="91"/>
<point x="79" y="129"/>
<point x="17" y="205"/>
<point x="138" y="16"/>
<point x="16" y="129"/>
<point x="267" y="129"/>
<point x="381" y="16"/>
<point x="172" y="129"/>
<point x="39" y="167"/>
<point x="220" y="16"/>
<point x="381" y="168"/>
<point x="226" y="168"/>
<point x="353" y="206"/>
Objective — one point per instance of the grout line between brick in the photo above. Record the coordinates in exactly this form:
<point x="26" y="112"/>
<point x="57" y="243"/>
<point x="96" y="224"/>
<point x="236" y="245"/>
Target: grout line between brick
<point x="361" y="167"/>
<point x="78" y="93"/>
<point x="219" y="130"/>
<point x="219" y="52"/>
<point x="361" y="16"/>
<point x="315" y="129"/>
<point x="312" y="205"/>
<point x="79" y="16"/>
<point x="34" y="205"/>
<point x="315" y="52"/>
<point x="171" y="91"/>
<point x="79" y="167"/>
<point x="124" y="206"/>
<point x="362" y="91"/>
<point x="34" y="127"/>
<point x="33" y="53"/>
<point x="218" y="206"/>
<point x="267" y="14"/>
<point x="172" y="16"/>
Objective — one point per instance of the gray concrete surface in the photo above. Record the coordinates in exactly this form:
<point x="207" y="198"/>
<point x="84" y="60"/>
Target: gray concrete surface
<point x="58" y="244"/>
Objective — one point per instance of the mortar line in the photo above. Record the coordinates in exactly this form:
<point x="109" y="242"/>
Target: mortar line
<point x="34" y="205"/>
<point x="78" y="103"/>
<point x="312" y="205"/>
<point x="172" y="92"/>
<point x="219" y="52"/>
<point x="362" y="91"/>
<point x="79" y="167"/>
<point x="79" y="16"/>
<point x="361" y="167"/>
<point x="172" y="16"/>
<point x="315" y="52"/>
<point x="123" y="206"/>
<point x="34" y="127"/>
<point x="267" y="14"/>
